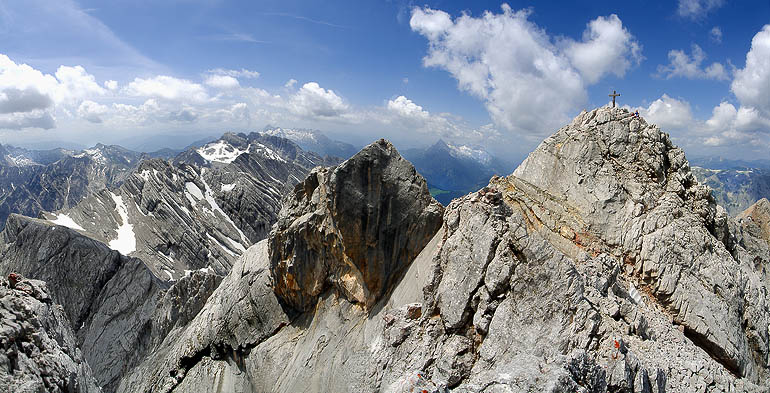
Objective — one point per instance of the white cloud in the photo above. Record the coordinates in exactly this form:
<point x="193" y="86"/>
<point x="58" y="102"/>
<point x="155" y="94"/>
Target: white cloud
<point x="290" y="83"/>
<point x="752" y="83"/>
<point x="528" y="83"/>
<point x="404" y="107"/>
<point x="696" y="9"/>
<point x="607" y="47"/>
<point x="312" y="100"/>
<point x="92" y="111"/>
<point x="111" y="85"/>
<point x="75" y="84"/>
<point x="24" y="81"/>
<point x="731" y="126"/>
<point x="223" y="82"/>
<point x="242" y="73"/>
<point x="689" y="66"/>
<point x="716" y="34"/>
<point x="669" y="113"/>
<point x="166" y="87"/>
<point x="28" y="97"/>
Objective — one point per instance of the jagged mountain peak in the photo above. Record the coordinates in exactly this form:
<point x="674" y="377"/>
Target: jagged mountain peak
<point x="378" y="210"/>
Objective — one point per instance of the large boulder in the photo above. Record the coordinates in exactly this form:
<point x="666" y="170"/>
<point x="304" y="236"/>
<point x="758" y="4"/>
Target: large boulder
<point x="354" y="227"/>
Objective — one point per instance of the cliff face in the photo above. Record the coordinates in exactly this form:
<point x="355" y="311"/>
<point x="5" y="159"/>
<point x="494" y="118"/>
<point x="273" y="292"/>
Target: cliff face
<point x="355" y="227"/>
<point x="599" y="265"/>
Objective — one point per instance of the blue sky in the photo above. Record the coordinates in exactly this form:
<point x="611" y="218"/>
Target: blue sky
<point x="501" y="76"/>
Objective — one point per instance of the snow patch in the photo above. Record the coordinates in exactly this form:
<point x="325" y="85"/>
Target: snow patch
<point x="194" y="190"/>
<point x="125" y="242"/>
<point x="67" y="221"/>
<point x="228" y="187"/>
<point x="206" y="269"/>
<point x="222" y="246"/>
<point x="215" y="207"/>
<point x="220" y="151"/>
<point x="267" y="152"/>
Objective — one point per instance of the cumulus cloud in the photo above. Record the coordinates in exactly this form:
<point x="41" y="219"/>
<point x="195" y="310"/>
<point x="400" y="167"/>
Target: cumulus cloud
<point x="729" y="125"/>
<point x="28" y="96"/>
<point x="404" y="107"/>
<point x="669" y="113"/>
<point x="528" y="83"/>
<point x="716" y="34"/>
<point x="223" y="82"/>
<point x="689" y="66"/>
<point x="408" y="115"/>
<point x="607" y="47"/>
<point x="290" y="83"/>
<point x="752" y="83"/>
<point x="111" y="85"/>
<point x="92" y="111"/>
<point x="75" y="84"/>
<point x="166" y="87"/>
<point x="696" y="9"/>
<point x="312" y="100"/>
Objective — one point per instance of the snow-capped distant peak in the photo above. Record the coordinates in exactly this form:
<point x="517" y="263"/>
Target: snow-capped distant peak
<point x="465" y="151"/>
<point x="295" y="134"/>
<point x="220" y="151"/>
<point x="21" y="160"/>
<point x="94" y="152"/>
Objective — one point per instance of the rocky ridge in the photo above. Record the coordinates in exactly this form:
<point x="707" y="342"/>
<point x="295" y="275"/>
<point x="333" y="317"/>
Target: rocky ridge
<point x="36" y="181"/>
<point x="198" y="212"/>
<point x="599" y="265"/>
<point x="133" y="263"/>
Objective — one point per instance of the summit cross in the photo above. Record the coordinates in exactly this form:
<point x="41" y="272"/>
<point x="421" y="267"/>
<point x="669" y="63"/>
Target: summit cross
<point x="613" y="95"/>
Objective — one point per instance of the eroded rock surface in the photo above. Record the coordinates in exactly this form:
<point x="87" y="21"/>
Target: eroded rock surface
<point x="600" y="265"/>
<point x="38" y="350"/>
<point x="356" y="227"/>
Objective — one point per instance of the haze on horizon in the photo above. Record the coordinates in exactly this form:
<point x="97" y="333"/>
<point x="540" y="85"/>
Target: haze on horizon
<point x="502" y="76"/>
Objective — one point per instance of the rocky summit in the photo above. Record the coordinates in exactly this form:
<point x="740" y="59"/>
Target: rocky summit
<point x="599" y="265"/>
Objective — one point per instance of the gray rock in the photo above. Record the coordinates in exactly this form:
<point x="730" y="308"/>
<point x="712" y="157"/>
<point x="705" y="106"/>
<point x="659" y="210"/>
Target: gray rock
<point x="38" y="350"/>
<point x="601" y="265"/>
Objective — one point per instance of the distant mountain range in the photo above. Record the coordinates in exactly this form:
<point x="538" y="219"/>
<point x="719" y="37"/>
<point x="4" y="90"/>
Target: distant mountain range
<point x="455" y="170"/>
<point x="313" y="140"/>
<point x="452" y="170"/>
<point x="32" y="181"/>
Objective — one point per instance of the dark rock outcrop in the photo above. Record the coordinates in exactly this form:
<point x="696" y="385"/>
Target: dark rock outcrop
<point x="355" y="227"/>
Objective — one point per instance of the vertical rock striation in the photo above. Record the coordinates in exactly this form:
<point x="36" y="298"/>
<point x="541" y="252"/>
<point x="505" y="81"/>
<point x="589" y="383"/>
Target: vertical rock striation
<point x="355" y="227"/>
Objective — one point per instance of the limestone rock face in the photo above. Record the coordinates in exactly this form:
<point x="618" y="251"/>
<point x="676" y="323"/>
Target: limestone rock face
<point x="634" y="197"/>
<point x="39" y="352"/>
<point x="356" y="227"/>
<point x="601" y="265"/>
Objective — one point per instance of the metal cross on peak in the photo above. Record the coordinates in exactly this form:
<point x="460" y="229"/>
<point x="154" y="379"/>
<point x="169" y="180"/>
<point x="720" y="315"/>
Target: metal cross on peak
<point x="613" y="95"/>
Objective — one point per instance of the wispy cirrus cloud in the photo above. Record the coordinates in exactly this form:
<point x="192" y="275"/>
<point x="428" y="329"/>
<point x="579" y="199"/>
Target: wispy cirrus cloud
<point x="304" y="18"/>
